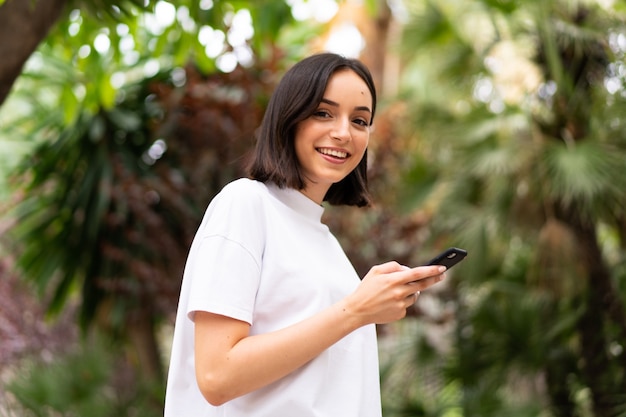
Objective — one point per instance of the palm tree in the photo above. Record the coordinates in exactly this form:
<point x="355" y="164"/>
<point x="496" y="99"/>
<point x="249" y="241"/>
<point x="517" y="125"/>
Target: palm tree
<point x="24" y="25"/>
<point x="522" y="151"/>
<point x="125" y="160"/>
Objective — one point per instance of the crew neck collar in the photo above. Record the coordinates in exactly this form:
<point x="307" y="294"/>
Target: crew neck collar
<point x="297" y="201"/>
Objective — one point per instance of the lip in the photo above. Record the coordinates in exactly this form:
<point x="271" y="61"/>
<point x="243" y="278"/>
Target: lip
<point x="334" y="155"/>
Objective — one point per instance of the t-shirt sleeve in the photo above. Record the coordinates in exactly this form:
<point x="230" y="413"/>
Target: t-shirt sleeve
<point x="225" y="279"/>
<point x="224" y="265"/>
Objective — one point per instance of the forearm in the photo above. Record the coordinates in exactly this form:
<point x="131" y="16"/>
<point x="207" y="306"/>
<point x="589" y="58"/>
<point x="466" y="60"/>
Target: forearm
<point x="230" y="363"/>
<point x="256" y="361"/>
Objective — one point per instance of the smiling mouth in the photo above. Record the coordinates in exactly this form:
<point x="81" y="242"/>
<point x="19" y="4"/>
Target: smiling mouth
<point x="334" y="153"/>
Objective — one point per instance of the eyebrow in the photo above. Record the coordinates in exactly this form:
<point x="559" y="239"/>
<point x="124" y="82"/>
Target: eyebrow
<point x="332" y="103"/>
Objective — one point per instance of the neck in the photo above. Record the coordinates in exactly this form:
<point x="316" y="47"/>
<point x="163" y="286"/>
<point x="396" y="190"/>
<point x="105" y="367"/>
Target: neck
<point x="316" y="194"/>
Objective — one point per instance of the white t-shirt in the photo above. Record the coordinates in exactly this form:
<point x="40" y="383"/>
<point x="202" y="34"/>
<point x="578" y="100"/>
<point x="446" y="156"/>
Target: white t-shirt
<point x="262" y="255"/>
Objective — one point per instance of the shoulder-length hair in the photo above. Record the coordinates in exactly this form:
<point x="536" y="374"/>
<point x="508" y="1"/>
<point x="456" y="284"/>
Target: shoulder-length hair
<point x="296" y="98"/>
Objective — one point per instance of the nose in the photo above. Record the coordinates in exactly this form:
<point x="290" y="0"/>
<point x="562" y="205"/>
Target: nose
<point x="341" y="129"/>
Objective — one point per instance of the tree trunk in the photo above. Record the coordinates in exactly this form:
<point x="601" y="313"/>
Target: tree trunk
<point x="23" y="25"/>
<point x="142" y="336"/>
<point x="375" y="30"/>
<point x="603" y="306"/>
<point x="556" y="374"/>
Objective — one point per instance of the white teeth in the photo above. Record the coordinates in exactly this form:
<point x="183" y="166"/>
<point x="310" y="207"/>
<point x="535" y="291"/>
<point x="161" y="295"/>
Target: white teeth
<point x="332" y="152"/>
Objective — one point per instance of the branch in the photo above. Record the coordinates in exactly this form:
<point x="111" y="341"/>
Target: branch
<point x="23" y="25"/>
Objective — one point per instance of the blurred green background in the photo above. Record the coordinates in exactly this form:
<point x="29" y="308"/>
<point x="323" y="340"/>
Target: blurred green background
<point x="501" y="129"/>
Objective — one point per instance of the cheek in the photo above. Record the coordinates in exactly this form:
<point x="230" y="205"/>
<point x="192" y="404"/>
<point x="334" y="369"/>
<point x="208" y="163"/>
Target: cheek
<point x="362" y="143"/>
<point x="359" y="149"/>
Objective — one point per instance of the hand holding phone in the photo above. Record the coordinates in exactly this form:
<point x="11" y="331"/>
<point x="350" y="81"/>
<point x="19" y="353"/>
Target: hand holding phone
<point x="449" y="257"/>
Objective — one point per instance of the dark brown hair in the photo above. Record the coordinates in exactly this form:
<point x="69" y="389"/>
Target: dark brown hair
<point x="296" y="98"/>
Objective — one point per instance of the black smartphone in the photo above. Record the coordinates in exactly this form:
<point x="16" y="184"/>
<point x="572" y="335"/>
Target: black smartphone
<point x="448" y="257"/>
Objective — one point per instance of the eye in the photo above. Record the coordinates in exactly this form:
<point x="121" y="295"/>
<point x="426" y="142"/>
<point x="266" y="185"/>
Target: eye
<point x="361" y="122"/>
<point x="322" y="114"/>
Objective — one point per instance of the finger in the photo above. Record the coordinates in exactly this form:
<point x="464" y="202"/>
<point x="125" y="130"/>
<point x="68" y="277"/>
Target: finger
<point x="412" y="299"/>
<point x="424" y="283"/>
<point x="389" y="267"/>
<point x="421" y="273"/>
<point x="414" y="294"/>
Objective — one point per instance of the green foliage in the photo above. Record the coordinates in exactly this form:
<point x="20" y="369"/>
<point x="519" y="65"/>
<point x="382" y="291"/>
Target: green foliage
<point x="585" y="171"/>
<point x="126" y="153"/>
<point x="80" y="384"/>
<point x="524" y="178"/>
<point x="516" y="175"/>
<point x="97" y="209"/>
<point x="70" y="206"/>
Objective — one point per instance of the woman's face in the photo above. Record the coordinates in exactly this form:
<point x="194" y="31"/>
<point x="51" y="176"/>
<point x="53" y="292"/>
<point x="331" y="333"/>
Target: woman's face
<point x="331" y="143"/>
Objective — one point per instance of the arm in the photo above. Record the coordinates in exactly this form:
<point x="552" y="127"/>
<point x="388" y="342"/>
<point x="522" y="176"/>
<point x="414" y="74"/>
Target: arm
<point x="230" y="363"/>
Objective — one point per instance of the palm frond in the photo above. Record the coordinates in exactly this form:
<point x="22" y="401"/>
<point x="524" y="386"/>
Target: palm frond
<point x="584" y="172"/>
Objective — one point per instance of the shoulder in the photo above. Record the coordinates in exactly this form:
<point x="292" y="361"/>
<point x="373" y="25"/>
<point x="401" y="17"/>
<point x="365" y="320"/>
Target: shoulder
<point x="240" y="197"/>
<point x="239" y="205"/>
<point x="242" y="192"/>
<point x="244" y="186"/>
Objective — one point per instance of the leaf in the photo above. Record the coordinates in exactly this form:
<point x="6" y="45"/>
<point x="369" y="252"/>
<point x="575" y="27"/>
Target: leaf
<point x="585" y="171"/>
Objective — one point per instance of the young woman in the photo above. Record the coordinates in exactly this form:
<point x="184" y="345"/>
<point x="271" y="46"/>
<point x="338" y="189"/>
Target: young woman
<point x="273" y="320"/>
